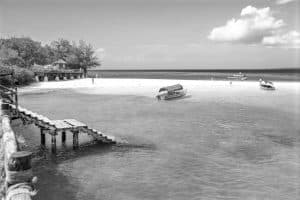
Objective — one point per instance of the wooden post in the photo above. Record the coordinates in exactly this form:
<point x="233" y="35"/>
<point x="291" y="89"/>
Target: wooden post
<point x="16" y="98"/>
<point x="75" y="139"/>
<point x="43" y="137"/>
<point x="63" y="137"/>
<point x="53" y="143"/>
<point x="19" y="162"/>
<point x="5" y="110"/>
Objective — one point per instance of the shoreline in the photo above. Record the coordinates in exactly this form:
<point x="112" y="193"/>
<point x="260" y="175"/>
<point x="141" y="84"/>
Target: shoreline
<point x="139" y="82"/>
<point x="193" y="75"/>
<point x="197" y="90"/>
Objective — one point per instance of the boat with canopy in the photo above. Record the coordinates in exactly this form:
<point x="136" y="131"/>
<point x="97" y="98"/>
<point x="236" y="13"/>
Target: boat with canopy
<point x="238" y="76"/>
<point x="266" y="85"/>
<point x="171" y="92"/>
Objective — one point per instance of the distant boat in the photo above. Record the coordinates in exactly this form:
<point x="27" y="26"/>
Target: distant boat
<point x="171" y="92"/>
<point x="238" y="76"/>
<point x="266" y="85"/>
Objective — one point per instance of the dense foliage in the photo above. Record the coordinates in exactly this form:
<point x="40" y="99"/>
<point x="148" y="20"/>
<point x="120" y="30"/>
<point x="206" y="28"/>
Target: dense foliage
<point x="24" y="52"/>
<point x="20" y="54"/>
<point x="21" y="76"/>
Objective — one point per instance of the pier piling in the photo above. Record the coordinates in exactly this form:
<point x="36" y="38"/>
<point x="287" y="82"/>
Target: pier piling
<point x="43" y="138"/>
<point x="63" y="137"/>
<point x="53" y="144"/>
<point x="75" y="139"/>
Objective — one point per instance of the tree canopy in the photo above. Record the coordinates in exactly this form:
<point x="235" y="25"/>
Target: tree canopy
<point x="25" y="52"/>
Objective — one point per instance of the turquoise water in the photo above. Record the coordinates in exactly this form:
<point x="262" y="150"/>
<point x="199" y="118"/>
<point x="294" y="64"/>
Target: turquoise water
<point x="209" y="148"/>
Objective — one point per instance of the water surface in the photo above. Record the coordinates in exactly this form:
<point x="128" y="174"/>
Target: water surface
<point x="243" y="145"/>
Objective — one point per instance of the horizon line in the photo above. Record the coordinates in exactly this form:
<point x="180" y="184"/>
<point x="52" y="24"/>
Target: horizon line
<point x="297" y="70"/>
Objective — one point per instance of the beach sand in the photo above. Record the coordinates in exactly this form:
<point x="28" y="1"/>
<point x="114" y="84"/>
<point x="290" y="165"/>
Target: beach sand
<point x="245" y="92"/>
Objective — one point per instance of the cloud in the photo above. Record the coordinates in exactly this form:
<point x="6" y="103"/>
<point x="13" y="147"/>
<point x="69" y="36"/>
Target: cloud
<point x="289" y="40"/>
<point x="280" y="2"/>
<point x="100" y="52"/>
<point x="255" y="26"/>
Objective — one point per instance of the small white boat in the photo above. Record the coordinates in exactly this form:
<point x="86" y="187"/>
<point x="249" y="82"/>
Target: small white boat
<point x="171" y="92"/>
<point x="266" y="85"/>
<point x="239" y="76"/>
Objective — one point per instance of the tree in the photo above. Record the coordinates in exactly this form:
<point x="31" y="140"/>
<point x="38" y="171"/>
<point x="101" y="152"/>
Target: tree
<point x="86" y="56"/>
<point x="22" y="52"/>
<point x="9" y="56"/>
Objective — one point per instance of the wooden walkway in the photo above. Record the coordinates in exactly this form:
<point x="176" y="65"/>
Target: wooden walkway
<point x="54" y="127"/>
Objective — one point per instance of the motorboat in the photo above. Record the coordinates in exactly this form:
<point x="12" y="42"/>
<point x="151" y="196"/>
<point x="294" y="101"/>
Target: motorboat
<point x="171" y="92"/>
<point x="266" y="85"/>
<point x="238" y="76"/>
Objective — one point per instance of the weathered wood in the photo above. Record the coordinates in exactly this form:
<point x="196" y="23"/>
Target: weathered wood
<point x="20" y="160"/>
<point x="63" y="137"/>
<point x="75" y="123"/>
<point x="16" y="98"/>
<point x="75" y="139"/>
<point x="19" y="168"/>
<point x="53" y="144"/>
<point x="61" y="124"/>
<point x="5" y="109"/>
<point x="43" y="137"/>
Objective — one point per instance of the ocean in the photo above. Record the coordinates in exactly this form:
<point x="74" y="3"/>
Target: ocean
<point x="223" y="141"/>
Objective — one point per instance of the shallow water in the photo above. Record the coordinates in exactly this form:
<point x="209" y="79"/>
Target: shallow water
<point x="222" y="146"/>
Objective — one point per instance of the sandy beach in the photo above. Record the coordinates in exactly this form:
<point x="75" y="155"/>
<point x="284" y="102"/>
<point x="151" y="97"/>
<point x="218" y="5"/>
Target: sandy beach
<point x="246" y="92"/>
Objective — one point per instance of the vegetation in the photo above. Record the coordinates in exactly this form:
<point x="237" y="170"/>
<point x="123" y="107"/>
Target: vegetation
<point x="21" y="76"/>
<point x="20" y="54"/>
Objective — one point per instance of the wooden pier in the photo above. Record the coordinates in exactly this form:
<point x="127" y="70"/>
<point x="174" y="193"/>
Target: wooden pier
<point x="57" y="75"/>
<point x="17" y="181"/>
<point x="50" y="127"/>
<point x="56" y="127"/>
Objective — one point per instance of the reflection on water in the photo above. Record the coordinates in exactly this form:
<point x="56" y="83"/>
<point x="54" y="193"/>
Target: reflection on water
<point x="211" y="149"/>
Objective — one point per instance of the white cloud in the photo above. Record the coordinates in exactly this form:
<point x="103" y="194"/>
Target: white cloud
<point x="252" y="26"/>
<point x="100" y="52"/>
<point x="280" y="2"/>
<point x="256" y="26"/>
<point x="288" y="40"/>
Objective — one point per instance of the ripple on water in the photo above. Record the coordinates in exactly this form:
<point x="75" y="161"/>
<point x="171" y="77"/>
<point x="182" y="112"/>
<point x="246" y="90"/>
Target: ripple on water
<point x="211" y="149"/>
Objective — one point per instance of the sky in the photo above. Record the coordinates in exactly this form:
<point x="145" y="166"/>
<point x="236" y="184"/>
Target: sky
<point x="166" y="34"/>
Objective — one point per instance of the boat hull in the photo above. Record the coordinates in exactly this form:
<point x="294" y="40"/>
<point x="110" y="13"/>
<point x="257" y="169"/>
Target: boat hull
<point x="175" y="95"/>
<point x="267" y="87"/>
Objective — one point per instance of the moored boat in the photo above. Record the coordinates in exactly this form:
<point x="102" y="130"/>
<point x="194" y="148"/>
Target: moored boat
<point x="266" y="85"/>
<point x="239" y="76"/>
<point x="171" y="92"/>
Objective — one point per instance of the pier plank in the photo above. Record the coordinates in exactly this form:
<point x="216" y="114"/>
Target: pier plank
<point x="61" y="124"/>
<point x="75" y="123"/>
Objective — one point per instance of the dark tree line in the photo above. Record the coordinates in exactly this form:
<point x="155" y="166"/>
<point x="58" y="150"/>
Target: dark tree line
<point x="25" y="52"/>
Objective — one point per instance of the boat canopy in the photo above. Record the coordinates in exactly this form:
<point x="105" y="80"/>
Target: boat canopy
<point x="171" y="88"/>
